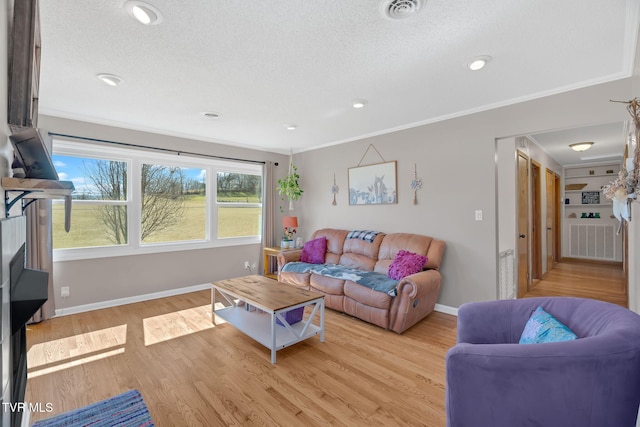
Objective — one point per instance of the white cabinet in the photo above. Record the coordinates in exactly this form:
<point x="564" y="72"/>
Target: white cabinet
<point x="589" y="228"/>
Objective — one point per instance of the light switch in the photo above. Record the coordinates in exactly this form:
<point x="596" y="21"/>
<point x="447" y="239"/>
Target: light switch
<point x="478" y="215"/>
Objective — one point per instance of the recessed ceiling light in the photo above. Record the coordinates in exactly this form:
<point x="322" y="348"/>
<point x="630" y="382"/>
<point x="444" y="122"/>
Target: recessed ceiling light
<point x="291" y="126"/>
<point x="359" y="103"/>
<point x="478" y="63"/>
<point x="143" y="12"/>
<point x="211" y="115"/>
<point x="110" y="79"/>
<point x="581" y="146"/>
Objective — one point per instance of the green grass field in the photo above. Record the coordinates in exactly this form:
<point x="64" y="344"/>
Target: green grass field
<point x="88" y="231"/>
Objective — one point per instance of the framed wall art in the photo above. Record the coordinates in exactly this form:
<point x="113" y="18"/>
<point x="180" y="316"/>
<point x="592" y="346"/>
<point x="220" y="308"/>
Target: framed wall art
<point x="590" y="197"/>
<point x="373" y="184"/>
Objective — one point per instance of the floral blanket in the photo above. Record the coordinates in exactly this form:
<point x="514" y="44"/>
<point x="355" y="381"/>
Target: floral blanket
<point x="372" y="280"/>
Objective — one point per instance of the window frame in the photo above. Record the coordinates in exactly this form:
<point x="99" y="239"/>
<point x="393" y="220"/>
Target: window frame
<point x="134" y="158"/>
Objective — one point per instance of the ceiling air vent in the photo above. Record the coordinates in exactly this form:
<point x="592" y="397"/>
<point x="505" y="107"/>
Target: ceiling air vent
<point x="400" y="9"/>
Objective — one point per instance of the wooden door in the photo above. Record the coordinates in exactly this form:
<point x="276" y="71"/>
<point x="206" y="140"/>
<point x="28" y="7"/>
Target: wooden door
<point x="523" y="224"/>
<point x="536" y="221"/>
<point x="550" y="186"/>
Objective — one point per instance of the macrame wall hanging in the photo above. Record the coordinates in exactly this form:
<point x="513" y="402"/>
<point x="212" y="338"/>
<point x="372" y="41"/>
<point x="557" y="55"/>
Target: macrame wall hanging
<point x="416" y="184"/>
<point x="334" y="190"/>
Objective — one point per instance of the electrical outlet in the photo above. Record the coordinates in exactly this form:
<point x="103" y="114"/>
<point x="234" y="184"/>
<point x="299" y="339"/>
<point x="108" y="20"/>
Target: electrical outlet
<point x="247" y="264"/>
<point x="64" y="291"/>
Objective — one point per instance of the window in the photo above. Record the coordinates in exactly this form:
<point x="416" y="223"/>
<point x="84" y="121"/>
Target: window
<point x="174" y="205"/>
<point x="239" y="203"/>
<point x="130" y="201"/>
<point x="99" y="211"/>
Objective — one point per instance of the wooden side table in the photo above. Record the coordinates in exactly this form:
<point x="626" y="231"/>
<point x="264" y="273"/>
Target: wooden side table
<point x="273" y="251"/>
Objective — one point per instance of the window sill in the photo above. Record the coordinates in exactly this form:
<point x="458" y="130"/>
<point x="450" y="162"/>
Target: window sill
<point x="76" y="254"/>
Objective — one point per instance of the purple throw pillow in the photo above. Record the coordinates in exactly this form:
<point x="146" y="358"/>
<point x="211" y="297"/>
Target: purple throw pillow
<point x="405" y="264"/>
<point x="314" y="251"/>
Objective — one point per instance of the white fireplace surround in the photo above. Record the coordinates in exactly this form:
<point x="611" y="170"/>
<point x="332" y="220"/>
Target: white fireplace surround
<point x="12" y="235"/>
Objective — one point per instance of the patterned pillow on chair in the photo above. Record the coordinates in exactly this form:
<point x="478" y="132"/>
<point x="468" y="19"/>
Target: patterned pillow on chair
<point x="543" y="327"/>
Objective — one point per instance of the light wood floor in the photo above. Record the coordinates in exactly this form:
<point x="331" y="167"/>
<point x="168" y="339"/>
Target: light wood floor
<point x="191" y="373"/>
<point x="584" y="280"/>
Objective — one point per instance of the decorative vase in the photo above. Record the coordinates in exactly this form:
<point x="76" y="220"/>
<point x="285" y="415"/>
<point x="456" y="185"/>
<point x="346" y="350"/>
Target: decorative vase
<point x="284" y="244"/>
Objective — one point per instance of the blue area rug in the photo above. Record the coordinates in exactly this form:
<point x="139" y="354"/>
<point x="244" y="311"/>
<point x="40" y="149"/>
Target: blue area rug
<point x="124" y="410"/>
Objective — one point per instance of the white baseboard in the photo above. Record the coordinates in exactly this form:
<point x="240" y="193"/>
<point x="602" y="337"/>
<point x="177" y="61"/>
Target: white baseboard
<point x="446" y="309"/>
<point x="171" y="292"/>
<point x="129" y="300"/>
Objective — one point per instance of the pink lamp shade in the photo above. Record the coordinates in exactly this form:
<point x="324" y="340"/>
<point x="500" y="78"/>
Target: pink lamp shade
<point x="289" y="221"/>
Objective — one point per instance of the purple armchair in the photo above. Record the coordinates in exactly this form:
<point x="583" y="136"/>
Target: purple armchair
<point x="592" y="381"/>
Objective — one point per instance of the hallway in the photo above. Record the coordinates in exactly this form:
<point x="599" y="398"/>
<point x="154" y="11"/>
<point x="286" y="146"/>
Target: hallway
<point x="584" y="280"/>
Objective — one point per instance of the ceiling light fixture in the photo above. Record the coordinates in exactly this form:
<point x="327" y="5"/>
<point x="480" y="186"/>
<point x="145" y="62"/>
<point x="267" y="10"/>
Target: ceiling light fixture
<point x="291" y="126"/>
<point x="110" y="79"/>
<point x="359" y="103"/>
<point x="478" y="63"/>
<point x="143" y="12"/>
<point x="581" y="146"/>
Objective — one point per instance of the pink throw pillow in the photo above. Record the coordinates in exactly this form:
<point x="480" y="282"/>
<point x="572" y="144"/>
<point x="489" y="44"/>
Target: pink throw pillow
<point x="314" y="251"/>
<point x="405" y="264"/>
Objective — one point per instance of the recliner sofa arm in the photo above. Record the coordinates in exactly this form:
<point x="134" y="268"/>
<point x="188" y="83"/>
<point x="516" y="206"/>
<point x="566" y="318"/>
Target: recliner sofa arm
<point x="420" y="283"/>
<point x="288" y="256"/>
<point x="416" y="297"/>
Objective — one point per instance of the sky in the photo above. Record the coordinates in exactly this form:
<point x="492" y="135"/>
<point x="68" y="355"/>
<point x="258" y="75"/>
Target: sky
<point x="72" y="169"/>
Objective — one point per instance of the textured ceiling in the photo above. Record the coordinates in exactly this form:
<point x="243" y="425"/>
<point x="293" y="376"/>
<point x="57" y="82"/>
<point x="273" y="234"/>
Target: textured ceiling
<point x="263" y="64"/>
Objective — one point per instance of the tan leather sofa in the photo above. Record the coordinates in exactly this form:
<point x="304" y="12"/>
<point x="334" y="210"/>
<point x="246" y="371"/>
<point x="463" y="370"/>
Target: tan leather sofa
<point x="416" y="294"/>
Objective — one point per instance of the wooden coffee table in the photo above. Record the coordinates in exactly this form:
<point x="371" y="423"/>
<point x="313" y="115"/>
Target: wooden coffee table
<point x="253" y="303"/>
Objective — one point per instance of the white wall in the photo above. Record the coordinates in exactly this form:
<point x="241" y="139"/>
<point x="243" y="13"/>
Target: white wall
<point x="94" y="281"/>
<point x="456" y="161"/>
<point x="507" y="190"/>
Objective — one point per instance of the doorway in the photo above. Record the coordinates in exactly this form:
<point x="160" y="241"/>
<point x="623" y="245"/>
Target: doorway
<point x="517" y="225"/>
<point x="523" y="224"/>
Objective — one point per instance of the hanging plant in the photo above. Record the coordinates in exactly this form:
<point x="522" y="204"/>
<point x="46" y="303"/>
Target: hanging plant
<point x="289" y="186"/>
